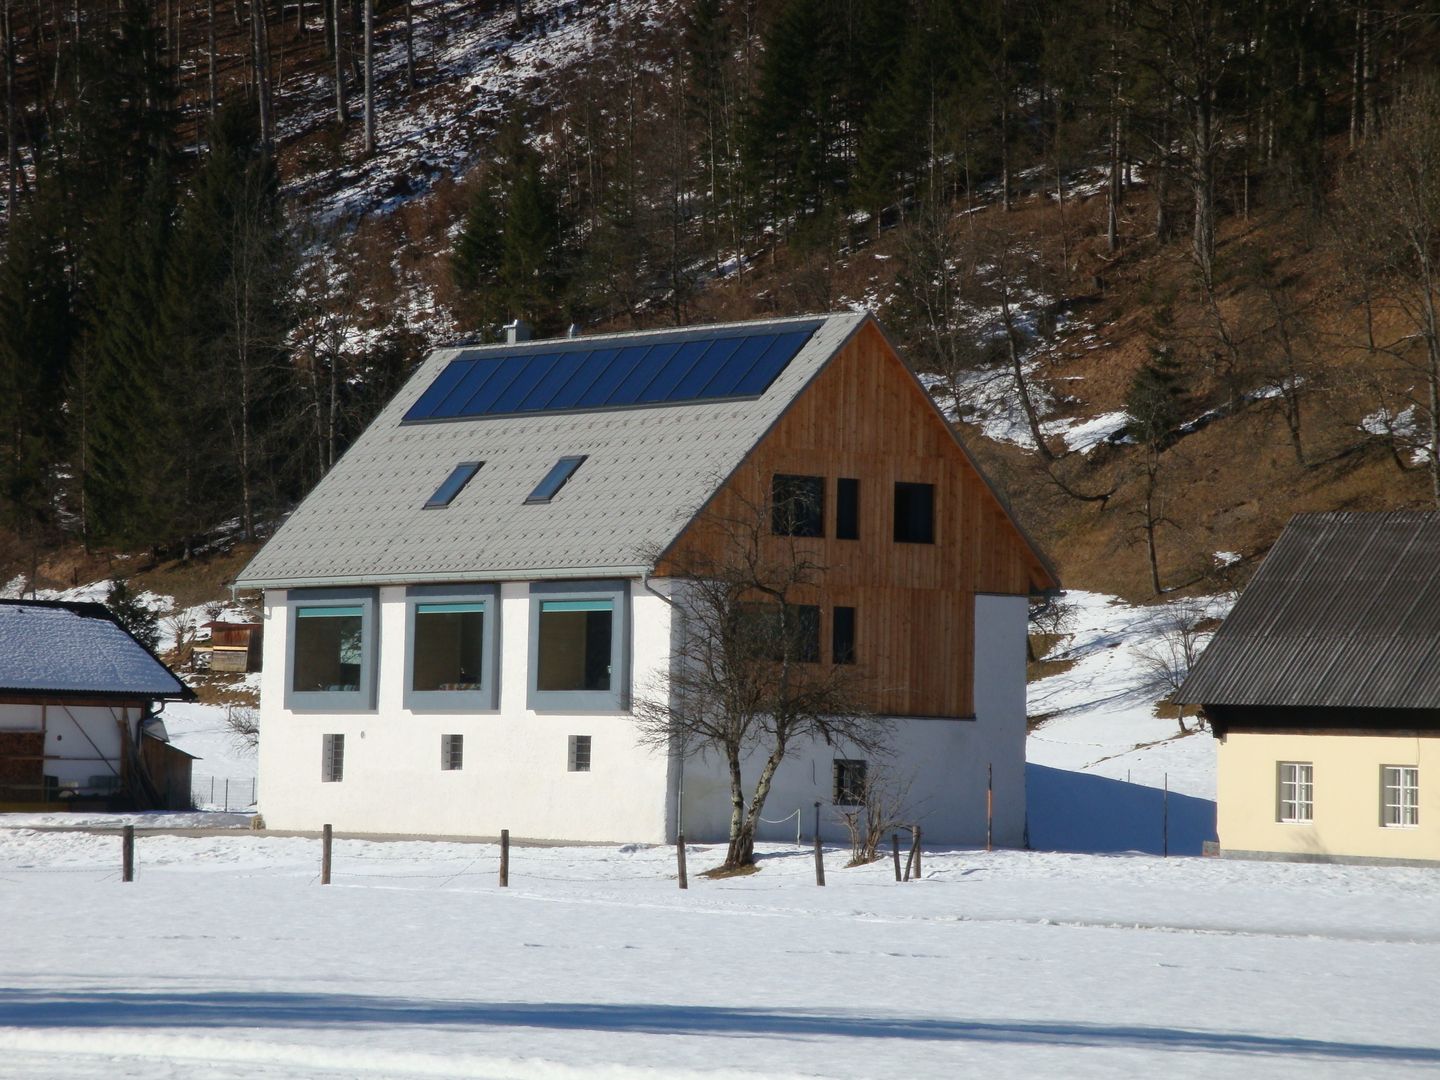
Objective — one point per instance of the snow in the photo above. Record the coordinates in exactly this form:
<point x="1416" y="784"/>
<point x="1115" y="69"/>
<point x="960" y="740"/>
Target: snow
<point x="226" y="958"/>
<point x="57" y="648"/>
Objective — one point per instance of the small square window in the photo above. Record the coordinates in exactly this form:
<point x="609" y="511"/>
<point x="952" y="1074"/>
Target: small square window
<point x="579" y="753"/>
<point x="1296" y="791"/>
<point x="1400" y="796"/>
<point x="842" y="635"/>
<point x="555" y="479"/>
<point x="797" y="505"/>
<point x="847" y="509"/>
<point x="453" y="484"/>
<point x="332" y="759"/>
<point x="452" y="753"/>
<point x="914" y="513"/>
<point x="849" y="782"/>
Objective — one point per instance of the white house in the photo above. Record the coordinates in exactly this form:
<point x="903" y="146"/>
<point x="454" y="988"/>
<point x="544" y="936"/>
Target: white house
<point x="459" y="617"/>
<point x="79" y="712"/>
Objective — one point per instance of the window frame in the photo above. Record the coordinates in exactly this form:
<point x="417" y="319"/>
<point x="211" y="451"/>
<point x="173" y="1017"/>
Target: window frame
<point x="572" y="754"/>
<point x="334" y="701"/>
<point x="1303" y="796"/>
<point x="332" y="758"/>
<point x="843" y="768"/>
<point x="1412" y="773"/>
<point x="777" y="505"/>
<point x="617" y="698"/>
<point x="487" y="697"/>
<point x="912" y="485"/>
<point x="560" y="474"/>
<point x="452" y="752"/>
<point x="460" y="476"/>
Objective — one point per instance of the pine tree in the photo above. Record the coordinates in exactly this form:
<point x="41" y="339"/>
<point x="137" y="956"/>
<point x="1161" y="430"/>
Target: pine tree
<point x="136" y="617"/>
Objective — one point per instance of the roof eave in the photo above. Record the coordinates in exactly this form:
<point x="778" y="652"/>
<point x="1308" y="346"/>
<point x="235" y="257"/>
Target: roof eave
<point x="566" y="573"/>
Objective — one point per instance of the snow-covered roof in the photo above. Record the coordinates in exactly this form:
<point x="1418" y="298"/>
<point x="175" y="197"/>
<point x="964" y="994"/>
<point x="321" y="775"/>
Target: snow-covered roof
<point x="649" y="466"/>
<point x="77" y="649"/>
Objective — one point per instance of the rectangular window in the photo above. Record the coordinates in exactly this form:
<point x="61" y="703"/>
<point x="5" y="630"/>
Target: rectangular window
<point x="797" y="505"/>
<point x="847" y="509"/>
<point x="332" y="759"/>
<point x="1297" y="791"/>
<point x="452" y="752"/>
<point x="1400" y="796"/>
<point x="453" y="484"/>
<point x="914" y="513"/>
<point x="451" y="638"/>
<point x="849" y="783"/>
<point x="329" y="653"/>
<point x="842" y="635"/>
<point x="555" y="479"/>
<point x="579" y="646"/>
<point x="579" y="753"/>
<point x="779" y="634"/>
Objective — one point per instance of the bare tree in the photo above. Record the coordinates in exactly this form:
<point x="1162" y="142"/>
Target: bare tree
<point x="1169" y="656"/>
<point x="884" y="807"/>
<point x="745" y="679"/>
<point x="369" y="77"/>
<point x="243" y="723"/>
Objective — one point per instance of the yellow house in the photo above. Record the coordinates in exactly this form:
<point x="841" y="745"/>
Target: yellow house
<point x="1322" y="689"/>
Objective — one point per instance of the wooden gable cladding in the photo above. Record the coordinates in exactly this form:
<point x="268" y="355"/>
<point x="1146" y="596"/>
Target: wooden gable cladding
<point x="865" y="417"/>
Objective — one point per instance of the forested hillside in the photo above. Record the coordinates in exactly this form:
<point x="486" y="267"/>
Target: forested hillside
<point x="1171" y="263"/>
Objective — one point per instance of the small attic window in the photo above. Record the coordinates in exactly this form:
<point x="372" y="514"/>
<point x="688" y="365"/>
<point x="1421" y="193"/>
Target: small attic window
<point x="555" y="479"/>
<point x="453" y="485"/>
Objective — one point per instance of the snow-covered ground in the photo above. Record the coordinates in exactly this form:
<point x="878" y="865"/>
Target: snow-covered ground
<point x="226" y="958"/>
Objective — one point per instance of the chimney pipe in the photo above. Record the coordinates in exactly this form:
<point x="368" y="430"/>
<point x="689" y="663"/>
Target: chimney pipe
<point x="516" y="332"/>
<point x="574" y="330"/>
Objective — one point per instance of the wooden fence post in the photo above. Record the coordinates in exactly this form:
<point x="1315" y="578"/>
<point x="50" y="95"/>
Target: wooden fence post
<point x="1165" y="819"/>
<point x="819" y="858"/>
<point x="895" y="850"/>
<point x="127" y="854"/>
<point x="504" y="858"/>
<point x="326" y="838"/>
<point x="680" y="860"/>
<point x="919" y="872"/>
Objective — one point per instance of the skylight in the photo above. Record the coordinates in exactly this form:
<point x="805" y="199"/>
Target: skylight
<point x="555" y="479"/>
<point x="453" y="485"/>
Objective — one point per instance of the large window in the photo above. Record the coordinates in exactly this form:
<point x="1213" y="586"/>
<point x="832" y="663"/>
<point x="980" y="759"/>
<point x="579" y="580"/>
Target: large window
<point x="331" y="653"/>
<point x="915" y="513"/>
<point x="1297" y="791"/>
<point x="450" y="663"/>
<point x="579" y="646"/>
<point x="1400" y="796"/>
<point x="797" y="505"/>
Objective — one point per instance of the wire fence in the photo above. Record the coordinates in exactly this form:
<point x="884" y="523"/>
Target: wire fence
<point x="223" y="792"/>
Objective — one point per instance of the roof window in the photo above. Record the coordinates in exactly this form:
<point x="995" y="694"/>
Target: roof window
<point x="555" y="479"/>
<point x="453" y="485"/>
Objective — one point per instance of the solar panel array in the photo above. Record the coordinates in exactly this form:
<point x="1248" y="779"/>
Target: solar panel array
<point x="728" y="365"/>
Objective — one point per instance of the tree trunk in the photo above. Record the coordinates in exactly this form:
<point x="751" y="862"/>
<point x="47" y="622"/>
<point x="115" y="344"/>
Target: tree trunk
<point x="369" y="77"/>
<point x="261" y="47"/>
<point x="210" y="55"/>
<point x="12" y="152"/>
<point x="742" y="847"/>
<point x="342" y="109"/>
<point x="409" y="46"/>
<point x="741" y="851"/>
<point x="1151" y="475"/>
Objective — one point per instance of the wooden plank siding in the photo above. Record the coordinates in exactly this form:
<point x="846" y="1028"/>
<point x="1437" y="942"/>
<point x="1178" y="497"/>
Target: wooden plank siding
<point x="865" y="417"/>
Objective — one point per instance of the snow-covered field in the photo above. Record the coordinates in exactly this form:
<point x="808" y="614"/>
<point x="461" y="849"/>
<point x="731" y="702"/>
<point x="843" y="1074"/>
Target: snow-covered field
<point x="226" y="958"/>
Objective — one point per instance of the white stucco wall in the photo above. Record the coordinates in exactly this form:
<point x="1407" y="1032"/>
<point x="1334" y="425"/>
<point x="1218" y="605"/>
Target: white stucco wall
<point x="515" y="773"/>
<point x="943" y="760"/>
<point x="81" y="741"/>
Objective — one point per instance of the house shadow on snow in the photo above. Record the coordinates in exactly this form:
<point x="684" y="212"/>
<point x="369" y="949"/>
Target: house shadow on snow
<point x="1075" y="811"/>
<point x="100" y="1009"/>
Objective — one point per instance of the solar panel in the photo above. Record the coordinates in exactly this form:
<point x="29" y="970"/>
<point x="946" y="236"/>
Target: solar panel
<point x="576" y="376"/>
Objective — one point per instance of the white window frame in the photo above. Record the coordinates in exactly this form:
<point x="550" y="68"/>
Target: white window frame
<point x="1400" y="796"/>
<point x="486" y="696"/>
<point x="1295" y="792"/>
<point x="615" y="699"/>
<point x="334" y="701"/>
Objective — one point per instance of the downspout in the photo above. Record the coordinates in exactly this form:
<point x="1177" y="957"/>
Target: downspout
<point x="680" y="774"/>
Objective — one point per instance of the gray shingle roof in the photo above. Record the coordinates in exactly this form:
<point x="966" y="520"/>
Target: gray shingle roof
<point x="77" y="649"/>
<point x="1343" y="612"/>
<point x="648" y="471"/>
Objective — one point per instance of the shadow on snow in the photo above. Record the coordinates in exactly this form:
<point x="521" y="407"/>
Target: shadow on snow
<point x="1075" y="811"/>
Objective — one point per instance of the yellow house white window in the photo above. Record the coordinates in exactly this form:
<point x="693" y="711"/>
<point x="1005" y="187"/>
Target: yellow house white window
<point x="1297" y="791"/>
<point x="1400" y="796"/>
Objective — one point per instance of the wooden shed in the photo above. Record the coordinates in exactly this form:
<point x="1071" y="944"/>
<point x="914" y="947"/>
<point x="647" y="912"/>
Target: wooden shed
<point x="234" y="646"/>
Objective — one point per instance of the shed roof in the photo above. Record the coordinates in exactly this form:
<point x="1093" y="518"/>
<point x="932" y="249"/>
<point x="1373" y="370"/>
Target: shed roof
<point x="1344" y="612"/>
<point x="648" y="468"/>
<point x="80" y="650"/>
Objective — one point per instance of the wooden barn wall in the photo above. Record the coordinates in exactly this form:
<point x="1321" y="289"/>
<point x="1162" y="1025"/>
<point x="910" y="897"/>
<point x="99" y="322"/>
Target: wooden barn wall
<point x="865" y="418"/>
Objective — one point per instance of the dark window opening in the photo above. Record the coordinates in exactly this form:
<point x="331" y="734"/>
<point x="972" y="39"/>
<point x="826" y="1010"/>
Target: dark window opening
<point x="449" y="646"/>
<point x="842" y="635"/>
<point x="579" y="753"/>
<point x="849" y="782"/>
<point x="779" y="634"/>
<point x="574" y="644"/>
<point x="453" y="485"/>
<point x="915" y="513"/>
<point x="847" y="509"/>
<point x="332" y="759"/>
<point x="797" y="505"/>
<point x="452" y="752"/>
<point x="555" y="479"/>
<point x="329" y="649"/>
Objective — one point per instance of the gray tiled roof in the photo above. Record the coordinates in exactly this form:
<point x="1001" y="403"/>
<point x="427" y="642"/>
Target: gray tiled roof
<point x="1344" y="612"/>
<point x="648" y="471"/>
<point x="55" y="647"/>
